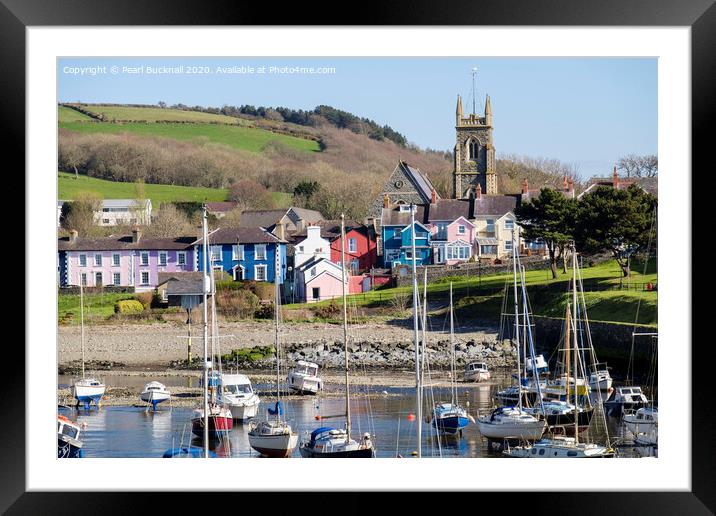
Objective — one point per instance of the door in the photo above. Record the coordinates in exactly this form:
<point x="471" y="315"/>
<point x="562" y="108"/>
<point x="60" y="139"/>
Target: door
<point x="316" y="292"/>
<point x="98" y="279"/>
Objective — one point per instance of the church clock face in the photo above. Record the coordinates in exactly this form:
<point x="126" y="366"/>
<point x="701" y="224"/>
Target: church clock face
<point x="399" y="183"/>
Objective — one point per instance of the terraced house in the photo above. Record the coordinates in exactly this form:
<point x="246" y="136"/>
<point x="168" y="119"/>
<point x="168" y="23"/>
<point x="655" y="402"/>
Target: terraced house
<point x="397" y="236"/>
<point x="121" y="261"/>
<point x="244" y="254"/>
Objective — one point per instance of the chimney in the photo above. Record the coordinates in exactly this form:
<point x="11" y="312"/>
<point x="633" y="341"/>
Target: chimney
<point x="281" y="230"/>
<point x="571" y="187"/>
<point x="525" y="187"/>
<point x="433" y="197"/>
<point x="386" y="201"/>
<point x="73" y="236"/>
<point x="136" y="235"/>
<point x="478" y="191"/>
<point x="313" y="231"/>
<point x="300" y="225"/>
<point x="615" y="178"/>
<point x="564" y="183"/>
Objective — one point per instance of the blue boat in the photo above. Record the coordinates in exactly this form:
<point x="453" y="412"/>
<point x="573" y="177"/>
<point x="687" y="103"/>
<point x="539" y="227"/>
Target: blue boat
<point x="449" y="418"/>
<point x="186" y="452"/>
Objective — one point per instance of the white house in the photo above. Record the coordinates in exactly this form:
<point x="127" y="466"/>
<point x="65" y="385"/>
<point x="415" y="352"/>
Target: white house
<point x="116" y="212"/>
<point x="313" y="247"/>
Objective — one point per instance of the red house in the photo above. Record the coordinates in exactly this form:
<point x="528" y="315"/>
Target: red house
<point x="361" y="246"/>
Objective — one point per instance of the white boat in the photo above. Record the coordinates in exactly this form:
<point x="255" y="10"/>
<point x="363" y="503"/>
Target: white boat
<point x="599" y="378"/>
<point x="539" y="363"/>
<point x="240" y="396"/>
<point x="304" y="379"/>
<point x="559" y="448"/>
<point x="154" y="393"/>
<point x="644" y="421"/>
<point x="273" y="436"/>
<point x="86" y="390"/>
<point x="69" y="445"/>
<point x="511" y="423"/>
<point x="625" y="398"/>
<point x="476" y="372"/>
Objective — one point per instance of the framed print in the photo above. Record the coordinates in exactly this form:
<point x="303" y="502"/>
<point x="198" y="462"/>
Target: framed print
<point x="433" y="242"/>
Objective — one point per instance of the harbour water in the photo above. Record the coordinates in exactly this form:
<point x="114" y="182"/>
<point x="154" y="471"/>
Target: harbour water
<point x="387" y="413"/>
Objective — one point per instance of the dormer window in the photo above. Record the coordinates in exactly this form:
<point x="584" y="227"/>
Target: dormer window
<point x="404" y="208"/>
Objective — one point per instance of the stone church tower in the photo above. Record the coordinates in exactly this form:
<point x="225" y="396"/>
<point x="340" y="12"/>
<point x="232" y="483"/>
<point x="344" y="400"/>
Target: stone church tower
<point x="474" y="153"/>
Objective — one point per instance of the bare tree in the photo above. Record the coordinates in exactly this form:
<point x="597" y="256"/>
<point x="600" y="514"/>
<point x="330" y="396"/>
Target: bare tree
<point x="81" y="213"/>
<point x="639" y="166"/>
<point x="250" y="195"/>
<point x="169" y="221"/>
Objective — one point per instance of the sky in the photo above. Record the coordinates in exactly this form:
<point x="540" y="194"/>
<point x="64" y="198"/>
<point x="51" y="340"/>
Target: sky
<point x="587" y="112"/>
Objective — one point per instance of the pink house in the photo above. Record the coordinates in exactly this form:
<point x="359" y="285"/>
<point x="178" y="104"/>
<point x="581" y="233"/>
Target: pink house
<point x="122" y="261"/>
<point x="320" y="279"/>
<point x="452" y="242"/>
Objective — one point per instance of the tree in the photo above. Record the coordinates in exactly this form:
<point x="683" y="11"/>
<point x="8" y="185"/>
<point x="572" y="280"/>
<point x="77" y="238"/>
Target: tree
<point x="250" y="195"/>
<point x="549" y="217"/>
<point x="162" y="104"/>
<point x="81" y="213"/>
<point x="169" y="221"/>
<point x="306" y="189"/>
<point x="613" y="220"/>
<point x="639" y="166"/>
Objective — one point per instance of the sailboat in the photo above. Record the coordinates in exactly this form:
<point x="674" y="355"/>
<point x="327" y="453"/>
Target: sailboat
<point x="337" y="442"/>
<point x="154" y="393"/>
<point x="561" y="446"/>
<point x="87" y="389"/>
<point x="450" y="418"/>
<point x="273" y="436"/>
<point x="213" y="418"/>
<point x="505" y="423"/>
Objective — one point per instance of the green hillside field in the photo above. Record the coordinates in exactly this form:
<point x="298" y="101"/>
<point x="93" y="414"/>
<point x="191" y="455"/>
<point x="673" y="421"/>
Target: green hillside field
<point x="154" y="114"/>
<point x="65" y="114"/>
<point x="68" y="187"/>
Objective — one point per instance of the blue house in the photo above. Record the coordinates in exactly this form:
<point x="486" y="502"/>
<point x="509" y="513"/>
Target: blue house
<point x="245" y="254"/>
<point x="396" y="233"/>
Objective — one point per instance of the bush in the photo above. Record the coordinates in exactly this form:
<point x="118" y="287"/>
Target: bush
<point x="241" y="303"/>
<point x="242" y="356"/>
<point x="145" y="298"/>
<point x="265" y="291"/>
<point x="328" y="311"/>
<point x="265" y="311"/>
<point x="128" y="306"/>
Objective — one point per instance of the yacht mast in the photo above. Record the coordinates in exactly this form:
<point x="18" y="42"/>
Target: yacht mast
<point x="82" y="328"/>
<point x="517" y="324"/>
<point x="576" y="352"/>
<point x="418" y="397"/>
<point x="453" y="389"/>
<point x="345" y="323"/>
<point x="276" y="309"/>
<point x="205" y="315"/>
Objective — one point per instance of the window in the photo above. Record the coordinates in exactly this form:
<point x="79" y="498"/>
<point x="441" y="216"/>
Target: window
<point x="461" y="230"/>
<point x="116" y="279"/>
<point x="144" y="258"/>
<point x="83" y="260"/>
<point x="458" y="252"/>
<point x="115" y="259"/>
<point x="509" y="224"/>
<point x="474" y="148"/>
<point x="442" y="231"/>
<point x="237" y="252"/>
<point x="261" y="273"/>
<point x="215" y="253"/>
<point x="83" y="279"/>
<point x="105" y="221"/>
<point x="181" y="258"/>
<point x="352" y="245"/>
<point x="260" y="252"/>
<point x="404" y="208"/>
<point x="98" y="260"/>
<point x="409" y="254"/>
<point x="300" y="248"/>
<point x="98" y="279"/>
<point x="354" y="267"/>
<point x="508" y="245"/>
<point x="145" y="278"/>
<point x="313" y="271"/>
<point x="490" y="226"/>
<point x="162" y="258"/>
<point x="488" y="249"/>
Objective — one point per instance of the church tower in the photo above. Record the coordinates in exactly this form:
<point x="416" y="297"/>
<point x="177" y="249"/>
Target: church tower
<point x="474" y="152"/>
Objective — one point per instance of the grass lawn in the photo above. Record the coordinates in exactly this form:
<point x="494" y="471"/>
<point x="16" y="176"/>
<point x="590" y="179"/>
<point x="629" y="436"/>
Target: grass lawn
<point x="68" y="187"/>
<point x="153" y="114"/>
<point x="65" y="114"/>
<point x="97" y="306"/>
<point x="233" y="136"/>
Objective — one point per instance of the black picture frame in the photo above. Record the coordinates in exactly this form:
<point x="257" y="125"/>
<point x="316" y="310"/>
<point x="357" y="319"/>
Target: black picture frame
<point x="700" y="15"/>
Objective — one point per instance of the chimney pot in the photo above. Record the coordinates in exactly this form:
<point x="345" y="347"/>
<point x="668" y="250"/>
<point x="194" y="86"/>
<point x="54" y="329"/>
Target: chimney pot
<point x="136" y="235"/>
<point x="386" y="200"/>
<point x="433" y="197"/>
<point x="478" y="191"/>
<point x="615" y="178"/>
<point x="525" y="187"/>
<point x="73" y="236"/>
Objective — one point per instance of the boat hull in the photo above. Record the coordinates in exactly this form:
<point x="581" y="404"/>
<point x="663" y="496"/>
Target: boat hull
<point x="153" y="397"/>
<point x="86" y="394"/>
<point x="477" y="376"/>
<point x="529" y="432"/>
<point x="275" y="446"/>
<point x="617" y="408"/>
<point x="243" y="412"/>
<point x="451" y="425"/>
<point x="217" y="425"/>
<point x="364" y="453"/>
<point x="66" y="449"/>
<point x="301" y="385"/>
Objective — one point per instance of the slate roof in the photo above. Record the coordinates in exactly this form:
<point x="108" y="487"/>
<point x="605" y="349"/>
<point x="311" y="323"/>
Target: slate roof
<point x="123" y="203"/>
<point x="241" y="235"/>
<point x="183" y="283"/>
<point x="494" y="205"/>
<point x="330" y="229"/>
<point x="394" y="217"/>
<point x="425" y="187"/>
<point x="268" y="218"/>
<point x="449" y="210"/>
<point x="163" y="277"/>
<point x="649" y="184"/>
<point x="121" y="242"/>
<point x="221" y="206"/>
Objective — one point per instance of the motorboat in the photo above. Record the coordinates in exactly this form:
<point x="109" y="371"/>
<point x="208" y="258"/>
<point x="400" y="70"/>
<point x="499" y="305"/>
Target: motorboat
<point x="644" y="421"/>
<point x="154" y="393"/>
<point x="304" y="379"/>
<point x="240" y="397"/>
<point x="539" y="363"/>
<point x="599" y="378"/>
<point x="69" y="445"/>
<point x="450" y="419"/>
<point x="335" y="442"/>
<point x="88" y="390"/>
<point x="476" y="372"/>
<point x="625" y="398"/>
<point x="559" y="448"/>
<point x="561" y="413"/>
<point x="511" y="423"/>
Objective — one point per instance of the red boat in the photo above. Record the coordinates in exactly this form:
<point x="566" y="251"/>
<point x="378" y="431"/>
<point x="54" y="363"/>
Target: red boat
<point x="220" y="420"/>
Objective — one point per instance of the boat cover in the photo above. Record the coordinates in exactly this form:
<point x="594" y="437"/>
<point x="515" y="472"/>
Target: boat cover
<point x="318" y="431"/>
<point x="276" y="410"/>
